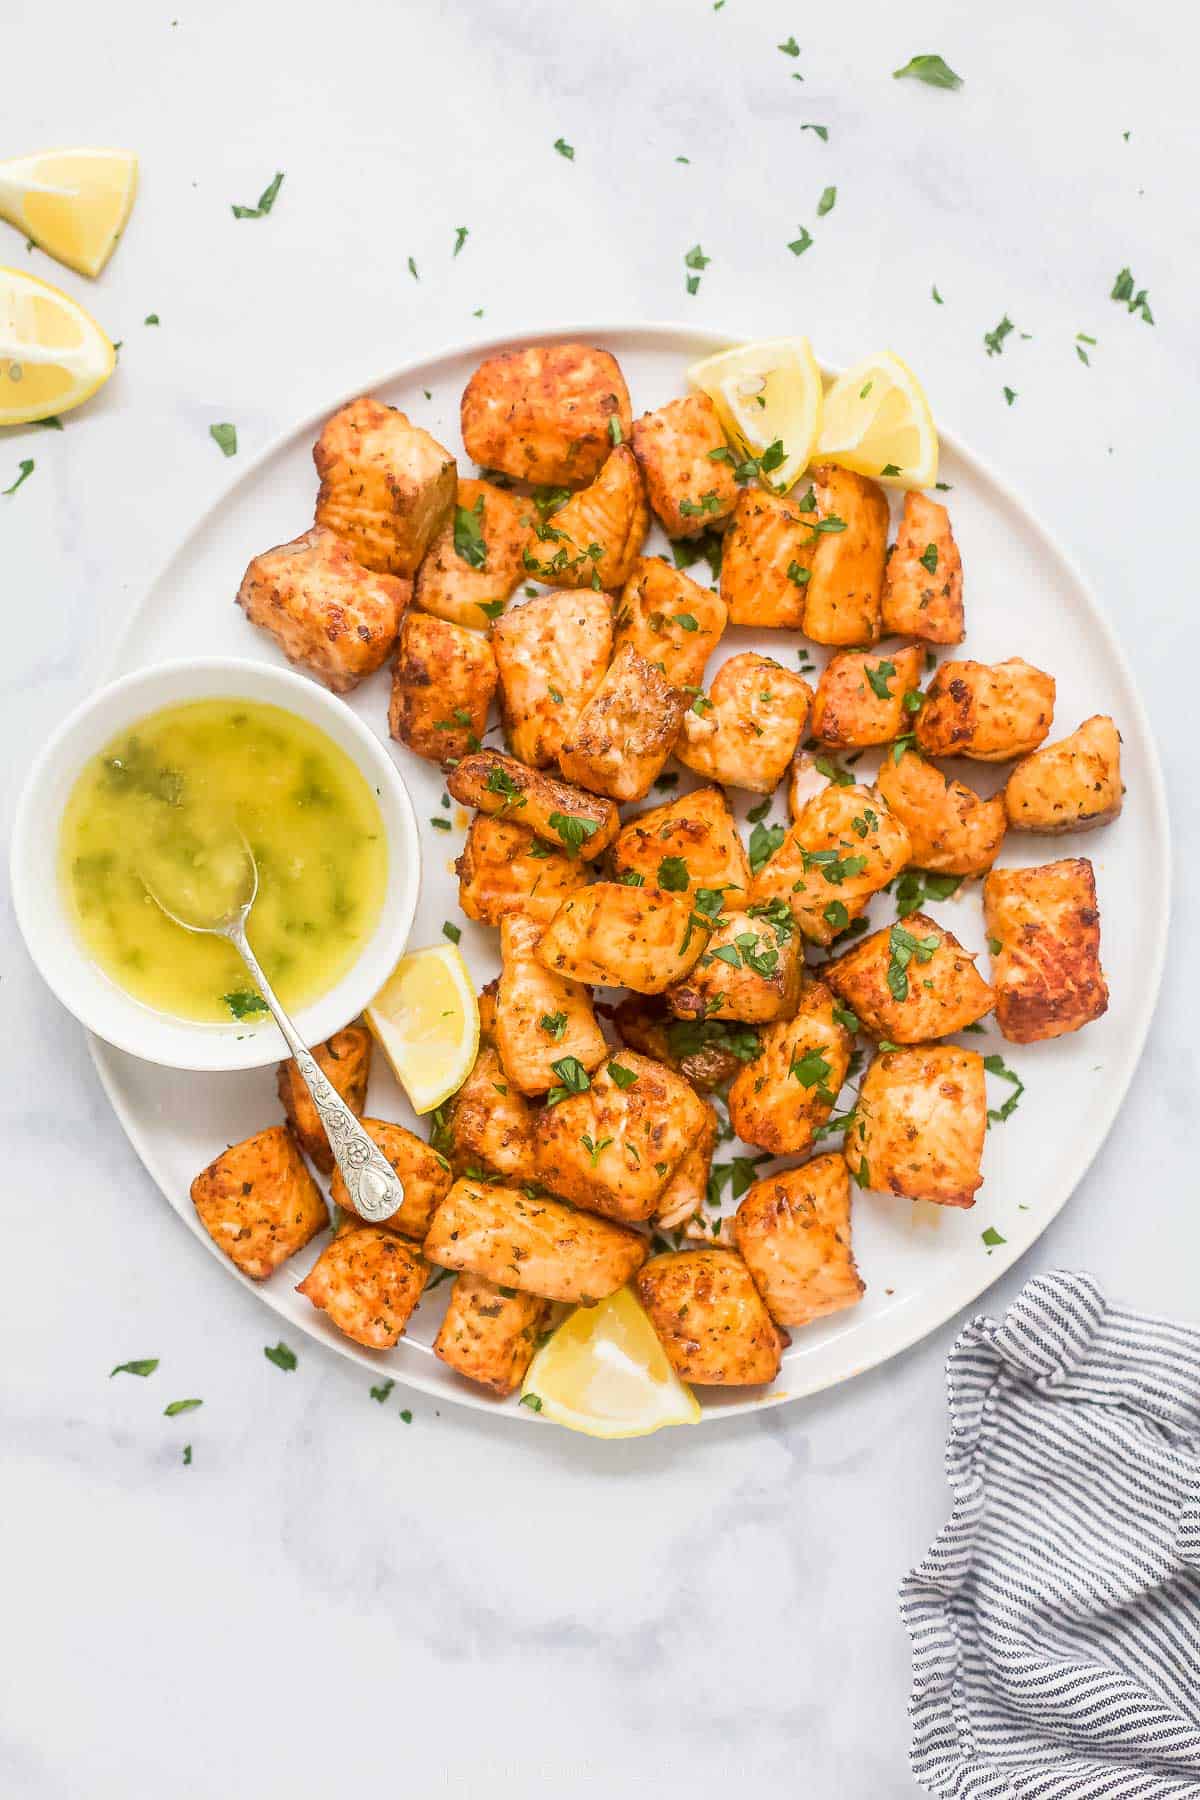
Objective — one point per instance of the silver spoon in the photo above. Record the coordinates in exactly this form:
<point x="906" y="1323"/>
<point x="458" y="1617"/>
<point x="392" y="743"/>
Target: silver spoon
<point x="375" y="1190"/>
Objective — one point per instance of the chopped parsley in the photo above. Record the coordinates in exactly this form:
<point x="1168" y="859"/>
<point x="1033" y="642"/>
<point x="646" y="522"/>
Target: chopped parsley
<point x="412" y="269"/>
<point x="554" y="1025"/>
<point x="695" y="260"/>
<point x="532" y="1401"/>
<point x="266" y="200"/>
<point x="175" y="1407"/>
<point x="225" y="438"/>
<point x="144" y="1365"/>
<point x="929" y="558"/>
<point x="499" y="781"/>
<point x="1010" y="394"/>
<point x="764" y="842"/>
<point x="846" y="1019"/>
<point x="789" y="47"/>
<point x="688" y="1037"/>
<point x="573" y="1079"/>
<point x="461" y="234"/>
<point x="827" y="202"/>
<point x="916" y="886"/>
<point x="1123" y="291"/>
<point x="593" y="1149"/>
<point x="469" y="541"/>
<point x="903" y="947"/>
<point x="810" y="1069"/>
<point x="879" y="677"/>
<point x="623" y="1077"/>
<point x="673" y="874"/>
<point x="930" y="68"/>
<point x="243" y="1004"/>
<point x="27" y="466"/>
<point x="565" y="149"/>
<point x="996" y="1065"/>
<point x="281" y="1355"/>
<point x="450" y="931"/>
<point x="836" y="916"/>
<point x="994" y="340"/>
<point x="991" y="1237"/>
<point x="822" y="131"/>
<point x="799" y="245"/>
<point x="573" y="829"/>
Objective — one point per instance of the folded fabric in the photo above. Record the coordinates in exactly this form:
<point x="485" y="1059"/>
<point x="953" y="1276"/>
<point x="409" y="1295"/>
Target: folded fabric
<point x="1055" y="1621"/>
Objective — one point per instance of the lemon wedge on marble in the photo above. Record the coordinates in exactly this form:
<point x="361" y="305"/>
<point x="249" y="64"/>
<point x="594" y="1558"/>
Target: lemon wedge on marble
<point x="877" y="421"/>
<point x="74" y="204"/>
<point x="425" y="1019"/>
<point x="769" y="401"/>
<point x="604" y="1372"/>
<point x="53" y="355"/>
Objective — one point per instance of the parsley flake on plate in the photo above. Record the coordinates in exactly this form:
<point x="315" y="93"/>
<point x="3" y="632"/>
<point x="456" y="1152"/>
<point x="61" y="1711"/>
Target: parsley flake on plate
<point x="266" y="200"/>
<point x="27" y="467"/>
<point x="225" y="438"/>
<point x="281" y="1355"/>
<point x="469" y="542"/>
<point x="565" y="149"/>
<point x="827" y="202"/>
<point x="930" y="68"/>
<point x="144" y="1365"/>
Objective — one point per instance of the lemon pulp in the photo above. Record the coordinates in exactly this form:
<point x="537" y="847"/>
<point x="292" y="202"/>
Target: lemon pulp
<point x="425" y="1019"/>
<point x="604" y="1372"/>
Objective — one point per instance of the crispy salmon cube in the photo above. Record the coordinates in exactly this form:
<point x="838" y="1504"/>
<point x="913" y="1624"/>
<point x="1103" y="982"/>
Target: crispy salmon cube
<point x="546" y="414"/>
<point x="539" y="1246"/>
<point x="861" y="697"/>
<point x="710" y="1317"/>
<point x="1072" y="785"/>
<point x="990" y="712"/>
<point x="475" y="562"/>
<point x="687" y="1189"/>
<point x="919" y="1125"/>
<point x="843" y="596"/>
<point x="686" y="465"/>
<point x="368" y="1281"/>
<point x="551" y="653"/>
<point x="423" y="1172"/>
<point x="387" y="487"/>
<point x="766" y="562"/>
<point x="745" y="731"/>
<point x="670" y="620"/>
<point x="258" y="1202"/>
<point x="752" y="970"/>
<point x="793" y="1231"/>
<point x="621" y="739"/>
<point x="707" y="1054"/>
<point x="542" y="1018"/>
<point x="611" y="935"/>
<point x="842" y="847"/>
<point x="505" y="869"/>
<point x="614" y="1146"/>
<point x="489" y="1333"/>
<point x="951" y="830"/>
<point x="345" y="1058"/>
<point x="596" y="538"/>
<point x="922" y="592"/>
<point x="910" y="983"/>
<point x="778" y="1101"/>
<point x="697" y="839"/>
<point x="491" y="1122"/>
<point x="556" y="812"/>
<point x="443" y="680"/>
<point x="324" y="610"/>
<point x="1043" y="928"/>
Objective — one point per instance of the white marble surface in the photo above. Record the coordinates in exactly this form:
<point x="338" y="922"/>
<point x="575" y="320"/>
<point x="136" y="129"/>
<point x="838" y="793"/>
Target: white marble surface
<point x="327" y="1597"/>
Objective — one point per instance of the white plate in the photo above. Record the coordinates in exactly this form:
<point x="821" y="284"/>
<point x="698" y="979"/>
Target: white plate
<point x="1024" y="597"/>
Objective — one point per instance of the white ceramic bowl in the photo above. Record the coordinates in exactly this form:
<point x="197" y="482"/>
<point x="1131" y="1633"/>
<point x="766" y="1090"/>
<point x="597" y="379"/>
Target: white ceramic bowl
<point x="46" y="925"/>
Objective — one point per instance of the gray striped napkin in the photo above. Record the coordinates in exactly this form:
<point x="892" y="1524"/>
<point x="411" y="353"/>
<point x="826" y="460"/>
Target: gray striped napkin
<point x="1055" y="1621"/>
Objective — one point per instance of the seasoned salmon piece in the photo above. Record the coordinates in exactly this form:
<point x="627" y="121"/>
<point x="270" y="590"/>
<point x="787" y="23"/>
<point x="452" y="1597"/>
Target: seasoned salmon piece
<point x="842" y="847"/>
<point x="910" y="983"/>
<point x="387" y="487"/>
<point x="843" y="595"/>
<point x="258" y="1202"/>
<point x="491" y="1122"/>
<point x="368" y="1281"/>
<point x="744" y="732"/>
<point x="548" y="414"/>
<point x="621" y="739"/>
<point x="708" y="1054"/>
<point x="687" y="1189"/>
<point x="752" y="970"/>
<point x="541" y="1018"/>
<point x="1073" y="785"/>
<point x="922" y="592"/>
<point x="614" y="1145"/>
<point x="861" y="697"/>
<point x="345" y="1059"/>
<point x="793" y="1231"/>
<point x="556" y="812"/>
<point x="610" y="935"/>
<point x="778" y="1101"/>
<point x="1043" y="928"/>
<point x="505" y="869"/>
<point x="670" y="620"/>
<point x="990" y="712"/>
<point x="424" y="1174"/>
<point x="951" y="830"/>
<point x="919" y="1125"/>
<point x="767" y="560"/>
<point x="686" y="465"/>
<point x="443" y="680"/>
<point x="710" y="1318"/>
<point x="694" y="836"/>
<point x="539" y="1246"/>
<point x="596" y="538"/>
<point x="551" y="652"/>
<point x="489" y="1333"/>
<point x="324" y="610"/>
<point x="475" y="562"/>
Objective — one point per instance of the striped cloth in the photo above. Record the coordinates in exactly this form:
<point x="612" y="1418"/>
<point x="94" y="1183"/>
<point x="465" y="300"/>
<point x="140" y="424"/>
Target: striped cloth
<point x="1055" y="1621"/>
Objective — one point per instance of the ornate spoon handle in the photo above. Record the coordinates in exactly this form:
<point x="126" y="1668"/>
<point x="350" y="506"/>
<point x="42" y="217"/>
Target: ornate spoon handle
<point x="374" y="1187"/>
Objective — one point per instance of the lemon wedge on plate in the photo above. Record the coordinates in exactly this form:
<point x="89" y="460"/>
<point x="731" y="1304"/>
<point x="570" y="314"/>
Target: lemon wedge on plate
<point x="604" y="1372"/>
<point x="425" y="1019"/>
<point x="877" y="421"/>
<point x="53" y="355"/>
<point x="767" y="394"/>
<point x="72" y="203"/>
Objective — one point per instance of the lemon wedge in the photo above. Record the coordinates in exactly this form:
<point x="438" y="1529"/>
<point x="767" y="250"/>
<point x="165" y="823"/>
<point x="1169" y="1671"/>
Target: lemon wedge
<point x="425" y="1019"/>
<point x="767" y="394"/>
<point x="72" y="203"/>
<point x="53" y="355"/>
<point x="604" y="1372"/>
<point x="877" y="422"/>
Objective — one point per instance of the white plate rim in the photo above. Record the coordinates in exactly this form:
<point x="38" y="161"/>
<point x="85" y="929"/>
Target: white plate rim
<point x="705" y="339"/>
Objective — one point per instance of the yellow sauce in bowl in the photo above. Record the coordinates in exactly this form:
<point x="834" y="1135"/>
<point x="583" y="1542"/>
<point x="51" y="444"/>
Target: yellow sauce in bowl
<point x="168" y="796"/>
